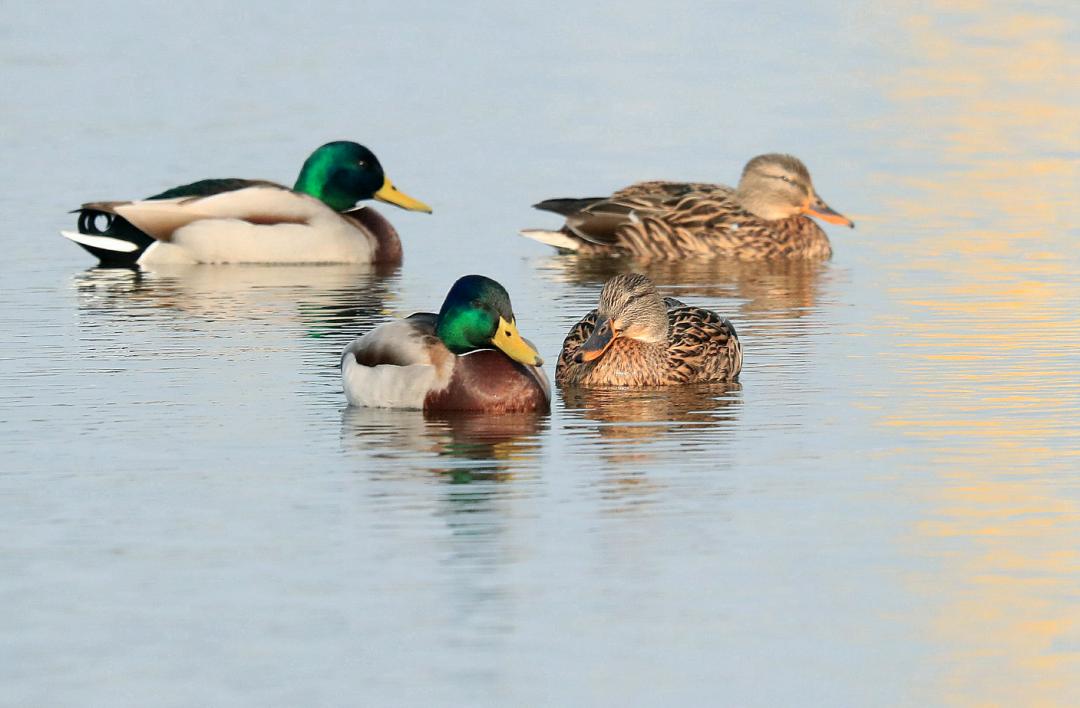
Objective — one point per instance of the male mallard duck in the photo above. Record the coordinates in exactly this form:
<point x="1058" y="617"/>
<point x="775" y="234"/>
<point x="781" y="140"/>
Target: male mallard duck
<point x="447" y="361"/>
<point x="254" y="221"/>
<point x="637" y="338"/>
<point x="764" y="217"/>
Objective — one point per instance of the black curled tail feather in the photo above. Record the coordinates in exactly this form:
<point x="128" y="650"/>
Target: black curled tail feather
<point x="119" y="242"/>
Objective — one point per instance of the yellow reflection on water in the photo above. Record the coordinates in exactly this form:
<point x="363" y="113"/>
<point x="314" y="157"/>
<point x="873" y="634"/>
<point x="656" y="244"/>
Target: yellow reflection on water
<point x="987" y="342"/>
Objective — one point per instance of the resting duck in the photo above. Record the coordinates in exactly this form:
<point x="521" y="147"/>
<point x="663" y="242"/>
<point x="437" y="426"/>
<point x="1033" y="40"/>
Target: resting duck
<point x="255" y="221"/>
<point x="764" y="217"/>
<point x="637" y="338"/>
<point x="469" y="357"/>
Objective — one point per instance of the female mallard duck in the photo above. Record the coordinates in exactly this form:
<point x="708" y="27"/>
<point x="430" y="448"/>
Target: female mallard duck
<point x="468" y="357"/>
<point x="254" y="221"/>
<point x="637" y="338"/>
<point x="764" y="217"/>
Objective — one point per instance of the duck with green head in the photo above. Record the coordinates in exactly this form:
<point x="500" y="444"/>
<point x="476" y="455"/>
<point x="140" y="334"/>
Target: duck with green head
<point x="236" y="220"/>
<point x="470" y="356"/>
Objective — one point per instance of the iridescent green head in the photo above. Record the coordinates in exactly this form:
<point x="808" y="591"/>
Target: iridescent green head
<point x="342" y="173"/>
<point x="477" y="315"/>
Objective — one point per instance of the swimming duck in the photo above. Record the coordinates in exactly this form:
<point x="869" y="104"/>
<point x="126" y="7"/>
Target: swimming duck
<point x="764" y="217"/>
<point x="255" y="221"/>
<point x="637" y="338"/>
<point x="469" y="357"/>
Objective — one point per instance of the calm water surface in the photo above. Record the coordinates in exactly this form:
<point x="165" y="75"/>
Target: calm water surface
<point x="886" y="510"/>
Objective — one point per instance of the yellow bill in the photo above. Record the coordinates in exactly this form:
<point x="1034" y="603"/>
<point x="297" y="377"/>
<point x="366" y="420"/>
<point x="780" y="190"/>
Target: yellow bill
<point x="508" y="340"/>
<point x="389" y="193"/>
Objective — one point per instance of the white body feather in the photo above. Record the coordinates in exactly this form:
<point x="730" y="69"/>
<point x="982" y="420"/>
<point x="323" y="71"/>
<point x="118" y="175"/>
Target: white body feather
<point x="106" y="242"/>
<point x="403" y="385"/>
<point x="552" y="238"/>
<point x="251" y="225"/>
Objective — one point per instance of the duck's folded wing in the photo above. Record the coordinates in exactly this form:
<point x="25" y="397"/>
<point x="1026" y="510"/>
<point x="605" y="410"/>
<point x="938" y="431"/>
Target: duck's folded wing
<point x="574" y="339"/>
<point x="263" y="204"/>
<point x="703" y="346"/>
<point x="210" y="187"/>
<point x="406" y="342"/>
<point x="396" y="364"/>
<point x="599" y="220"/>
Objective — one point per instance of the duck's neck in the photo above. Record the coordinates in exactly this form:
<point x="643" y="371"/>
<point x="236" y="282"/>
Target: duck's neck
<point x="314" y="180"/>
<point x="760" y="205"/>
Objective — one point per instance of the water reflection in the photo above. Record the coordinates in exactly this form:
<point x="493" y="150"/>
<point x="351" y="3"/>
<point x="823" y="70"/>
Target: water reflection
<point x="457" y="447"/>
<point x="321" y="300"/>
<point x="640" y="425"/>
<point x="760" y="290"/>
<point x="988" y="293"/>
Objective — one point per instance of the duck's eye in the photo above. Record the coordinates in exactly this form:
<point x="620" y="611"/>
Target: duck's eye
<point x="361" y="163"/>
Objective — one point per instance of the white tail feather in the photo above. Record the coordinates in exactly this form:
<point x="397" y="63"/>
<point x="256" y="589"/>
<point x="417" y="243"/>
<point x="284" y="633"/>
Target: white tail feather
<point x="552" y="238"/>
<point x="106" y="243"/>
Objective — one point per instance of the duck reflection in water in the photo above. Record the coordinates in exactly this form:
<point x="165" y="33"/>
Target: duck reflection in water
<point x="469" y="446"/>
<point x="330" y="301"/>
<point x="640" y="425"/>
<point x="757" y="290"/>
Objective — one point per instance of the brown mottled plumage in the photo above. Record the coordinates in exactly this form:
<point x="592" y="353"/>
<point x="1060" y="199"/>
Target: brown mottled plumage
<point x="637" y="338"/>
<point x="763" y="218"/>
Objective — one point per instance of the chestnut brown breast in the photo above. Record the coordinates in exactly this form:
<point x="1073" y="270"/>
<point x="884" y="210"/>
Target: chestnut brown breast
<point x="489" y="381"/>
<point x="387" y="243"/>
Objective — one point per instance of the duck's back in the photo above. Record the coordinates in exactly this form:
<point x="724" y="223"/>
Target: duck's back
<point x="702" y="346"/>
<point x="697" y="220"/>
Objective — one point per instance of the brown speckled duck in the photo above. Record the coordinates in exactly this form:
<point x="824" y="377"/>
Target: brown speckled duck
<point x="766" y="216"/>
<point x="469" y="357"/>
<point x="637" y="338"/>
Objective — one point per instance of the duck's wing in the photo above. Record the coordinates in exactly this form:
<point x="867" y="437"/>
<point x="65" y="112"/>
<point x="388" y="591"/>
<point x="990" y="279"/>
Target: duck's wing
<point x="262" y="204"/>
<point x="702" y="346"/>
<point x="396" y="364"/>
<point x="705" y="221"/>
<point x="407" y="342"/>
<point x="566" y="368"/>
<point x="202" y="188"/>
<point x="102" y="231"/>
<point x="210" y="187"/>
<point x="597" y="220"/>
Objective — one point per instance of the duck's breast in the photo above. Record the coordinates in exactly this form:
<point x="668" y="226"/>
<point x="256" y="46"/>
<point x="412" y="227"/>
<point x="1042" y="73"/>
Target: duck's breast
<point x="489" y="381"/>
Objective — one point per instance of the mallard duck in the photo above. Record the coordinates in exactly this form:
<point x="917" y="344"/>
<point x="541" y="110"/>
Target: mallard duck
<point x="255" y="221"/>
<point x="764" y="217"/>
<point x="470" y="357"/>
<point x="637" y="338"/>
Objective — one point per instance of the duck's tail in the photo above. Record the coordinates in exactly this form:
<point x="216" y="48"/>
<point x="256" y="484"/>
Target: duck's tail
<point x="109" y="237"/>
<point x="559" y="239"/>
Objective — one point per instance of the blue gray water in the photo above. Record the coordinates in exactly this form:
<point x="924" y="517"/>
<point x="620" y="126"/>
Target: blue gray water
<point x="886" y="511"/>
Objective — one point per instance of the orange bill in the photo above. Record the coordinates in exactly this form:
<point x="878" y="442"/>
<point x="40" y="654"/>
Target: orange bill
<point x="823" y="211"/>
<point x="601" y="339"/>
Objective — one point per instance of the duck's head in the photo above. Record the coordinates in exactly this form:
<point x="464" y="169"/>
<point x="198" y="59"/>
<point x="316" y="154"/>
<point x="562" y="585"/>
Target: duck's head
<point x="778" y="186"/>
<point x="342" y="173"/>
<point x="630" y="307"/>
<point x="477" y="315"/>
